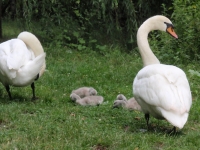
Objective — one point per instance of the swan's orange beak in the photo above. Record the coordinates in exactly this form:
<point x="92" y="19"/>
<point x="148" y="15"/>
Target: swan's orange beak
<point x="171" y="31"/>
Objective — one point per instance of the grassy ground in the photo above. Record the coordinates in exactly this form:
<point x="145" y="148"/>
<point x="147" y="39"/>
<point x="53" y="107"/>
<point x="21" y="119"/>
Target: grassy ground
<point x="54" y="122"/>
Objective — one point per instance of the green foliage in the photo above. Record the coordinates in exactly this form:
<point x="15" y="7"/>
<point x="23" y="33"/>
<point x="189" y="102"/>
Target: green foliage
<point x="187" y="26"/>
<point x="93" y="23"/>
<point x="187" y="16"/>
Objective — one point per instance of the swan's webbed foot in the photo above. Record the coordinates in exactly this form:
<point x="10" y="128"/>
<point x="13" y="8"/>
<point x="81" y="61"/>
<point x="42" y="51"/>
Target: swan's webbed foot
<point x="34" y="98"/>
<point x="172" y="131"/>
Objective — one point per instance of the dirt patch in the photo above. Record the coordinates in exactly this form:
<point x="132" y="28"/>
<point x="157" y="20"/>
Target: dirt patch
<point x="100" y="147"/>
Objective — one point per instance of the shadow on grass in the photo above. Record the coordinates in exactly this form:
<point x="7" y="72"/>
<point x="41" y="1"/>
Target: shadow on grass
<point x="153" y="129"/>
<point x="164" y="130"/>
<point x="15" y="98"/>
<point x="100" y="147"/>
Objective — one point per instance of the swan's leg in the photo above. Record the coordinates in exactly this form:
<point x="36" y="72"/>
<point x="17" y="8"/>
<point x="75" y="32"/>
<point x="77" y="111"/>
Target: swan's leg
<point x="37" y="77"/>
<point x="147" y="120"/>
<point x="8" y="91"/>
<point x="33" y="89"/>
<point x="173" y="131"/>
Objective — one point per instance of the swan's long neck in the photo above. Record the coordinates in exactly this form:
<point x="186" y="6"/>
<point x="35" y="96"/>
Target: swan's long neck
<point x="146" y="53"/>
<point x="33" y="44"/>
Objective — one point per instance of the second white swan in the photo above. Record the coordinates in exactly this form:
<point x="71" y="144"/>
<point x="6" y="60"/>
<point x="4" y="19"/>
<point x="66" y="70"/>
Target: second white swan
<point x="161" y="90"/>
<point x="22" y="61"/>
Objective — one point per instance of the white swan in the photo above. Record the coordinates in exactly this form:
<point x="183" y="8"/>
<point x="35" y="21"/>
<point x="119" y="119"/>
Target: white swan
<point x="161" y="90"/>
<point x="22" y="61"/>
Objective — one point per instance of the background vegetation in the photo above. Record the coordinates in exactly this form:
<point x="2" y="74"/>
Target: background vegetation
<point x="92" y="43"/>
<point x="81" y="24"/>
<point x="94" y="24"/>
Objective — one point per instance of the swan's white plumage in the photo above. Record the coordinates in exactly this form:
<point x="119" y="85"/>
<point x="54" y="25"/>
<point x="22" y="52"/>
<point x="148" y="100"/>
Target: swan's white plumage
<point x="161" y="90"/>
<point x="34" y="45"/>
<point x="19" y="66"/>
<point x="164" y="92"/>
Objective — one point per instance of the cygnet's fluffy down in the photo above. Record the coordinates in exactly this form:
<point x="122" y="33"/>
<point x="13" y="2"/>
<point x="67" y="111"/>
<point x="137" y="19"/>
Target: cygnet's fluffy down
<point x="121" y="97"/>
<point x="85" y="91"/>
<point x="88" y="100"/>
<point x="130" y="104"/>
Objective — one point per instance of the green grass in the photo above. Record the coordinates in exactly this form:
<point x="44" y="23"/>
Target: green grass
<point x="55" y="122"/>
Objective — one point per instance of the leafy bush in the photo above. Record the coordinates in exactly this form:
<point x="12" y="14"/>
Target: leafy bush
<point x="186" y="18"/>
<point x="80" y="24"/>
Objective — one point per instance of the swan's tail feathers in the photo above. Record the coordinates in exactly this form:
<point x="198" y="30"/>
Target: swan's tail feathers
<point x="42" y="70"/>
<point x="31" y="42"/>
<point x="32" y="68"/>
<point x="177" y="120"/>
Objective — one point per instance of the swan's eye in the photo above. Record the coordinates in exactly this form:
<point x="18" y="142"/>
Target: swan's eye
<point x="170" y="30"/>
<point x="169" y="25"/>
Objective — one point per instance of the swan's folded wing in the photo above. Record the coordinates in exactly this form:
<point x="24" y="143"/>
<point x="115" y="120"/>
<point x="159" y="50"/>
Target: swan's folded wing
<point x="164" y="87"/>
<point x="13" y="56"/>
<point x="27" y="74"/>
<point x="19" y="54"/>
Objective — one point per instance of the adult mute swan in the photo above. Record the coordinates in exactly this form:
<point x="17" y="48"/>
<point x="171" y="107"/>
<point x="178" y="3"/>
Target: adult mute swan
<point x="22" y="61"/>
<point x="161" y="90"/>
